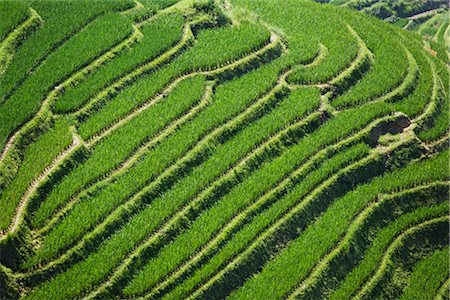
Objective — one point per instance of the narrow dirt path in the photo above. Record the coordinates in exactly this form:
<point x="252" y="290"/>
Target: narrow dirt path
<point x="78" y="75"/>
<point x="101" y="226"/>
<point x="348" y="235"/>
<point x="169" y="129"/>
<point x="37" y="182"/>
<point x="9" y="44"/>
<point x="381" y="267"/>
<point x="423" y="14"/>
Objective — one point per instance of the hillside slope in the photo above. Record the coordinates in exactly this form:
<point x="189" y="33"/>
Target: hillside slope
<point x="212" y="149"/>
<point x="429" y="18"/>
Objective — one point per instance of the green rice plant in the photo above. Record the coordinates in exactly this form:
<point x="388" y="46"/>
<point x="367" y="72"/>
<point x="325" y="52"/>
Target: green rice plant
<point x="206" y="225"/>
<point x="443" y="290"/>
<point x="438" y="125"/>
<point x="214" y="48"/>
<point x="440" y="34"/>
<point x="63" y="20"/>
<point x="386" y="73"/>
<point x="115" y="148"/>
<point x="90" y="43"/>
<point x="148" y="8"/>
<point x="35" y="159"/>
<point x="159" y="35"/>
<point x="159" y="209"/>
<point x="259" y="222"/>
<point x="288" y="154"/>
<point x="154" y="163"/>
<point x="378" y="213"/>
<point x="401" y="256"/>
<point x="320" y="236"/>
<point x="372" y="257"/>
<point x="425" y="87"/>
<point x="215" y="114"/>
<point x="9" y="45"/>
<point x="342" y="50"/>
<point x="274" y="238"/>
<point x="401" y="22"/>
<point x="202" y="148"/>
<point x="12" y="14"/>
<point x="427" y="276"/>
<point x="429" y="28"/>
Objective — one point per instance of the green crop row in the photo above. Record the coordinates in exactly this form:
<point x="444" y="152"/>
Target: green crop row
<point x="90" y="43"/>
<point x="256" y="224"/>
<point x="187" y="198"/>
<point x="195" y="207"/>
<point x="35" y="158"/>
<point x="223" y="144"/>
<point x="209" y="223"/>
<point x="159" y="35"/>
<point x="115" y="148"/>
<point x="402" y="254"/>
<point x="440" y="34"/>
<point x="289" y="153"/>
<point x="378" y="213"/>
<point x="443" y="291"/>
<point x="213" y="48"/>
<point x="148" y="9"/>
<point x="63" y="20"/>
<point x="342" y="51"/>
<point x="439" y="124"/>
<point x="425" y="93"/>
<point x="321" y="235"/>
<point x="251" y="230"/>
<point x="427" y="276"/>
<point x="159" y="209"/>
<point x="387" y="71"/>
<point x="219" y="111"/>
<point x="304" y="43"/>
<point x="13" y="41"/>
<point x="154" y="162"/>
<point x="372" y="257"/>
<point x="12" y="14"/>
<point x="430" y="26"/>
<point x="284" y="229"/>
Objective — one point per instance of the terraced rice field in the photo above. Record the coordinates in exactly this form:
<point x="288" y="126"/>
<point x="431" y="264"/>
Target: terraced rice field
<point x="242" y="149"/>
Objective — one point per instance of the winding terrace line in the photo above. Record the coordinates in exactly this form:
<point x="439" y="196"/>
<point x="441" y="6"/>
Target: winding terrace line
<point x="9" y="44"/>
<point x="405" y="85"/>
<point x="235" y="221"/>
<point x="162" y="94"/>
<point x="187" y="208"/>
<point x="166" y="131"/>
<point x="284" y="185"/>
<point x="45" y="110"/>
<point x="132" y="75"/>
<point x="351" y="230"/>
<point x="138" y="6"/>
<point x="75" y="77"/>
<point x="112" y="217"/>
<point x="442" y="292"/>
<point x="41" y="60"/>
<point x="362" y="54"/>
<point x="18" y="217"/>
<point x="123" y="208"/>
<point x="294" y="210"/>
<point x="211" y="187"/>
<point x="369" y="285"/>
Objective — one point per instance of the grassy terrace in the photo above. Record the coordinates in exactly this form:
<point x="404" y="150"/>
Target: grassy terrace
<point x="205" y="149"/>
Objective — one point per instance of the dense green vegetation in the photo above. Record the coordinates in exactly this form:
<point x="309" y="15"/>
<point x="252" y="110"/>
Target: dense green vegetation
<point x="206" y="149"/>
<point x="429" y="18"/>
